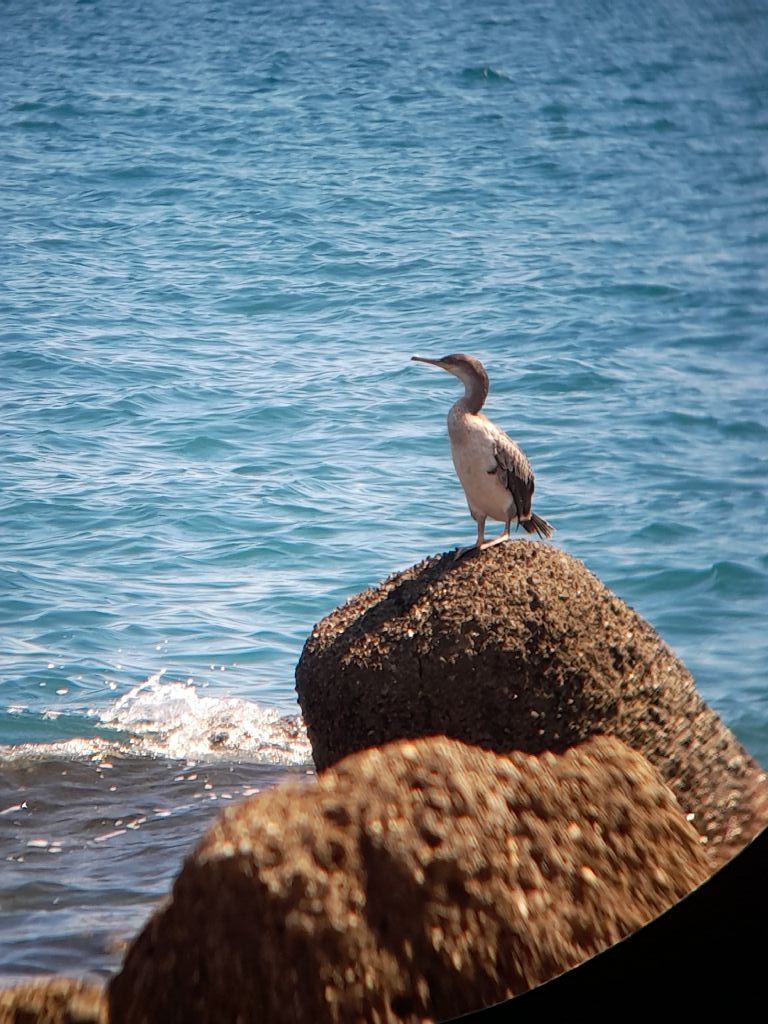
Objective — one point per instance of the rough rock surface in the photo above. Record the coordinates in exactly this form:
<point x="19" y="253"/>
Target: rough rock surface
<point x="413" y="882"/>
<point x="520" y="647"/>
<point x="53" y="1001"/>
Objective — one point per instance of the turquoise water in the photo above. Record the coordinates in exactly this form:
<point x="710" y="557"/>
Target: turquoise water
<point x="225" y="230"/>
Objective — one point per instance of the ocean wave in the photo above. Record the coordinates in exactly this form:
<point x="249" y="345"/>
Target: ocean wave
<point x="484" y="73"/>
<point x="173" y="720"/>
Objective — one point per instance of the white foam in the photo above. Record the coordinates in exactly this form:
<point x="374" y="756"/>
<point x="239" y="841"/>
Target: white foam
<point x="174" y="720"/>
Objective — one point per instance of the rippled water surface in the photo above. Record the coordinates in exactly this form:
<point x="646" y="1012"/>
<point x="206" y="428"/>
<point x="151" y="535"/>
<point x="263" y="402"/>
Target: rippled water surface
<point x="225" y="229"/>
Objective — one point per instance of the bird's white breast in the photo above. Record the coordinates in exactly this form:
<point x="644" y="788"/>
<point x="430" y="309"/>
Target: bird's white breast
<point x="473" y="447"/>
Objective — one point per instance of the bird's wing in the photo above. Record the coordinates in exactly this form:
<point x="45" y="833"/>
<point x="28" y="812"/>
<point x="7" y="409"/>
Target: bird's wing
<point x="514" y="471"/>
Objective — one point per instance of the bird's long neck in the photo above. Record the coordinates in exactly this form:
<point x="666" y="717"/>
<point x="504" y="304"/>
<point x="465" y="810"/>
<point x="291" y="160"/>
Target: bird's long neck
<point x="475" y="392"/>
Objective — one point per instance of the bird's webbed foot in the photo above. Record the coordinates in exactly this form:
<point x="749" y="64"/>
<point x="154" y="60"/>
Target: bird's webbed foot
<point x="496" y="540"/>
<point x="460" y="552"/>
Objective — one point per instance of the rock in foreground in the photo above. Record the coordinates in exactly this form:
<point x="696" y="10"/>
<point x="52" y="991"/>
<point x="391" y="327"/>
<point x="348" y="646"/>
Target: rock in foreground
<point x="413" y="882"/>
<point x="53" y="1001"/>
<point x="520" y="647"/>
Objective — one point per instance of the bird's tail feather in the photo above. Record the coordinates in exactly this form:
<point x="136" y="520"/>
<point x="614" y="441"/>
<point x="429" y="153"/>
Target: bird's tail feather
<point x="538" y="525"/>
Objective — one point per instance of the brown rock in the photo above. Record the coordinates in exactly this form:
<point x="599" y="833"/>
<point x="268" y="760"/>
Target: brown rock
<point x="53" y="1001"/>
<point x="520" y="647"/>
<point x="412" y="883"/>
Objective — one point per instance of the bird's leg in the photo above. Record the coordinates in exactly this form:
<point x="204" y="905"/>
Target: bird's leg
<point x="479" y="544"/>
<point x="480" y="532"/>
<point x="504" y="535"/>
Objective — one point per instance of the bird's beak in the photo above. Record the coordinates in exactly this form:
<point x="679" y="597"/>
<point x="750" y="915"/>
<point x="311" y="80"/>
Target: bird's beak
<point x="423" y="359"/>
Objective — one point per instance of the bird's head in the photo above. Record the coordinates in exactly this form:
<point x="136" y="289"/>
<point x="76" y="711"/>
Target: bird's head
<point x="469" y="370"/>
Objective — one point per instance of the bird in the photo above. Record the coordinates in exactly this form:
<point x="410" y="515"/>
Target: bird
<point x="496" y="475"/>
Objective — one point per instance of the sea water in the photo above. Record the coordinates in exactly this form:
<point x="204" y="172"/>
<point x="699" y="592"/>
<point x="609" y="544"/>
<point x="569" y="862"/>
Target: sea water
<point x="224" y="229"/>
